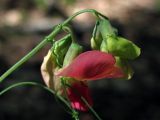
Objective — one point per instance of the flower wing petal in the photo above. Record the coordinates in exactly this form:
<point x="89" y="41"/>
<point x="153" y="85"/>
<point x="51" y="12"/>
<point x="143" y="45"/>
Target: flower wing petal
<point x="75" y="92"/>
<point x="92" y="65"/>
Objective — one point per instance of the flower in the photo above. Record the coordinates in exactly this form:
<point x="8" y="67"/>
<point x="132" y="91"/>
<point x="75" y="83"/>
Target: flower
<point x="90" y="65"/>
<point x="75" y="94"/>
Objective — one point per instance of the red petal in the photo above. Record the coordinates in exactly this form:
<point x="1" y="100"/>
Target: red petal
<point x="78" y="90"/>
<point x="92" y="65"/>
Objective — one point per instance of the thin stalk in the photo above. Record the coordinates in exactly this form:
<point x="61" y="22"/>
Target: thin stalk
<point x="30" y="54"/>
<point x="80" y="12"/>
<point x="91" y="109"/>
<point x="35" y="84"/>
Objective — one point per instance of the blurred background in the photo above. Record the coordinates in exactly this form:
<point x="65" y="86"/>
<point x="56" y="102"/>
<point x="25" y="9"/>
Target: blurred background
<point x="24" y="23"/>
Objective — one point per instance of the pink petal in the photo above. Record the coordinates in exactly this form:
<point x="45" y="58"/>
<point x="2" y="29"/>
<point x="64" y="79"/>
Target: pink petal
<point x="74" y="93"/>
<point x="92" y="65"/>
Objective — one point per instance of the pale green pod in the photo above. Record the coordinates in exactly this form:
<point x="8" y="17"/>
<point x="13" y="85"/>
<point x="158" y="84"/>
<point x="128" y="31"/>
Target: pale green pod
<point x="96" y="39"/>
<point x="73" y="51"/>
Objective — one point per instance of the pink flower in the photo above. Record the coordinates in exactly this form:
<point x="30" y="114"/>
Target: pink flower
<point x="90" y="65"/>
<point x="75" y="92"/>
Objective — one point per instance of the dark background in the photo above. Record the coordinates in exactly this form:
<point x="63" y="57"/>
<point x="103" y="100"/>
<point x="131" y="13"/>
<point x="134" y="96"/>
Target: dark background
<point x="23" y="24"/>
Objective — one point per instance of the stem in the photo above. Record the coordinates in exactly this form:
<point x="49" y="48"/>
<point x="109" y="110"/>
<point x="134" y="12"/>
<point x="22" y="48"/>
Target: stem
<point x="80" y="12"/>
<point x="30" y="54"/>
<point x="91" y="109"/>
<point x="39" y="85"/>
<point x="74" y="112"/>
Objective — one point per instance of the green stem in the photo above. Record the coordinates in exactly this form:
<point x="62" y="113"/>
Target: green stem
<point x="80" y="12"/>
<point x="91" y="109"/>
<point x="39" y="85"/>
<point x="30" y="54"/>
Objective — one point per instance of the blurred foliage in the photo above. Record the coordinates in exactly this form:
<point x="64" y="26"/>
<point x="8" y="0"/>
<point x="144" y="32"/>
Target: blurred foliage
<point x="41" y="4"/>
<point x="69" y="2"/>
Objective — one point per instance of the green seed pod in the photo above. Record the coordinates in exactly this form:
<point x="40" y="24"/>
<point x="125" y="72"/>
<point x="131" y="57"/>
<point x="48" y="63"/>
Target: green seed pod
<point x="96" y="39"/>
<point x="60" y="49"/>
<point x="124" y="65"/>
<point x="122" y="47"/>
<point x="73" y="51"/>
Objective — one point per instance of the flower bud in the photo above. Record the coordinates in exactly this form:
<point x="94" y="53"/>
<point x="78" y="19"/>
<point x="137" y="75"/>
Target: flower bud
<point x="122" y="47"/>
<point x="60" y="49"/>
<point x="73" y="51"/>
<point x="103" y="46"/>
<point x="126" y="68"/>
<point x="96" y="39"/>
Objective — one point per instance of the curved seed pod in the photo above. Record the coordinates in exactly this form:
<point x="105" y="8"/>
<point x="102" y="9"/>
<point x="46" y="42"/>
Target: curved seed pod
<point x="60" y="49"/>
<point x="96" y="39"/>
<point x="122" y="47"/>
<point x="124" y="65"/>
<point x="73" y="51"/>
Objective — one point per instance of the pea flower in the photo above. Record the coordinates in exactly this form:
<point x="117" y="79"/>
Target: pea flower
<point x="88" y="66"/>
<point x="92" y="65"/>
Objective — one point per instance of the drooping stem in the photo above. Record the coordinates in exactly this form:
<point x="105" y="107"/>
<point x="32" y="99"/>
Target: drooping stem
<point x="38" y="85"/>
<point x="80" y="12"/>
<point x="30" y="54"/>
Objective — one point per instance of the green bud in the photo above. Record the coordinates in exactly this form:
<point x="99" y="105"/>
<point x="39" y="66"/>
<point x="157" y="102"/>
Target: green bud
<point x="103" y="46"/>
<point x="60" y="49"/>
<point x="73" y="51"/>
<point x="106" y="28"/>
<point x="96" y="39"/>
<point x="124" y="65"/>
<point x="122" y="47"/>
